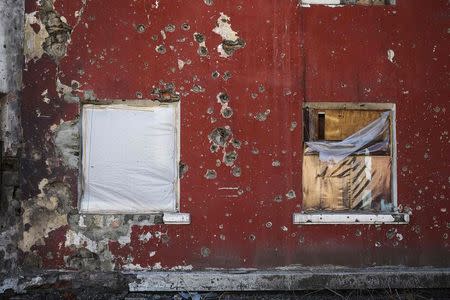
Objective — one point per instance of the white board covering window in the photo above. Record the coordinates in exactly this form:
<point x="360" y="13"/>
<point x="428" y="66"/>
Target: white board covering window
<point x="130" y="156"/>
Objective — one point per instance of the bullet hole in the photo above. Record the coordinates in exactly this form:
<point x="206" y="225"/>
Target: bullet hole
<point x="185" y="26"/>
<point x="291" y="194"/>
<point x="262" y="116"/>
<point x="261" y="88"/>
<point x="161" y="49"/>
<point x="269" y="224"/>
<point x="236" y="171"/>
<point x="202" y="51"/>
<point x="140" y="28"/>
<point x="377" y="244"/>
<point x="170" y="28"/>
<point x="391" y="233"/>
<point x="218" y="162"/>
<point x="220" y="136"/>
<point x="230" y="46"/>
<point x="254" y="95"/>
<point x="197" y="89"/>
<point x="209" y="2"/>
<point x="223" y="98"/>
<point x="166" y="93"/>
<point x="358" y="232"/>
<point x="226" y="75"/>
<point x="165" y="238"/>
<point x="252" y="237"/>
<point x="293" y="126"/>
<point x="215" y="74"/>
<point x="236" y="143"/>
<point x="210" y="174"/>
<point x="301" y="239"/>
<point x="222" y="237"/>
<point x="155" y="37"/>
<point x="229" y="158"/>
<point x="416" y="229"/>
<point x="214" y="148"/>
<point x="199" y="38"/>
<point x="75" y="85"/>
<point x="205" y="251"/>
<point x="276" y="163"/>
<point x="278" y="198"/>
<point x="139" y="95"/>
<point x="183" y="169"/>
<point x="255" y="151"/>
<point x="226" y="112"/>
<point x="210" y="111"/>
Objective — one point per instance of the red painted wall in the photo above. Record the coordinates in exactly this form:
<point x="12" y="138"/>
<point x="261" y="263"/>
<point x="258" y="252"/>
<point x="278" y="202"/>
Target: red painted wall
<point x="297" y="54"/>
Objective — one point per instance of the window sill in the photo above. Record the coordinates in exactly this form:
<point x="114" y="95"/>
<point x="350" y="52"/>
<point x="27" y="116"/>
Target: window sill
<point x="169" y="218"/>
<point x="177" y="218"/>
<point x="350" y="218"/>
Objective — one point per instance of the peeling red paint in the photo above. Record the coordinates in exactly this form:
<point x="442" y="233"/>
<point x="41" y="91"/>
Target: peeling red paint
<point x="297" y="54"/>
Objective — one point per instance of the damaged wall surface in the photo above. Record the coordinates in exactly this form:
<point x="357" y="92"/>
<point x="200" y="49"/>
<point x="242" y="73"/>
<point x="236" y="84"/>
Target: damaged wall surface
<point x="241" y="71"/>
<point x="11" y="56"/>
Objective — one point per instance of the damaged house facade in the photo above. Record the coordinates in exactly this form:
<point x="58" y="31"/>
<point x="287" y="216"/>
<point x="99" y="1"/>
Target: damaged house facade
<point x="156" y="145"/>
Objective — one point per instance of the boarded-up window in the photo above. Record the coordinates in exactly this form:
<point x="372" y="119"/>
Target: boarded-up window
<point x="130" y="157"/>
<point x="348" y="158"/>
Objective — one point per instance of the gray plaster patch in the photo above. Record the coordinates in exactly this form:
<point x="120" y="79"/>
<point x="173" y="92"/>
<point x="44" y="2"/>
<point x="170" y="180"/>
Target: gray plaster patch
<point x="67" y="140"/>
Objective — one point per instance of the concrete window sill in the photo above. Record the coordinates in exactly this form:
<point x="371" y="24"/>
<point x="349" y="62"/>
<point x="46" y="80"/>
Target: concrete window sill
<point x="350" y="218"/>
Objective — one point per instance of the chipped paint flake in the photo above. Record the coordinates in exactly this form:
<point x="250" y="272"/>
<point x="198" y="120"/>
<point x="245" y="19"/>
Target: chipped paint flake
<point x="230" y="39"/>
<point x="34" y="37"/>
<point x="181" y="64"/>
<point x="224" y="29"/>
<point x="79" y="240"/>
<point x="390" y="55"/>
<point x="41" y="186"/>
<point x="45" y="97"/>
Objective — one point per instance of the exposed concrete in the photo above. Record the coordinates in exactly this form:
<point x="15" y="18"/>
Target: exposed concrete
<point x="11" y="37"/>
<point x="67" y="141"/>
<point x="58" y="39"/>
<point x="10" y="127"/>
<point x="295" y="279"/>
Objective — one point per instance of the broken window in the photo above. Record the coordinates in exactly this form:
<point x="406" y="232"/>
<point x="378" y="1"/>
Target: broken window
<point x="349" y="158"/>
<point x="348" y="2"/>
<point x="130" y="157"/>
